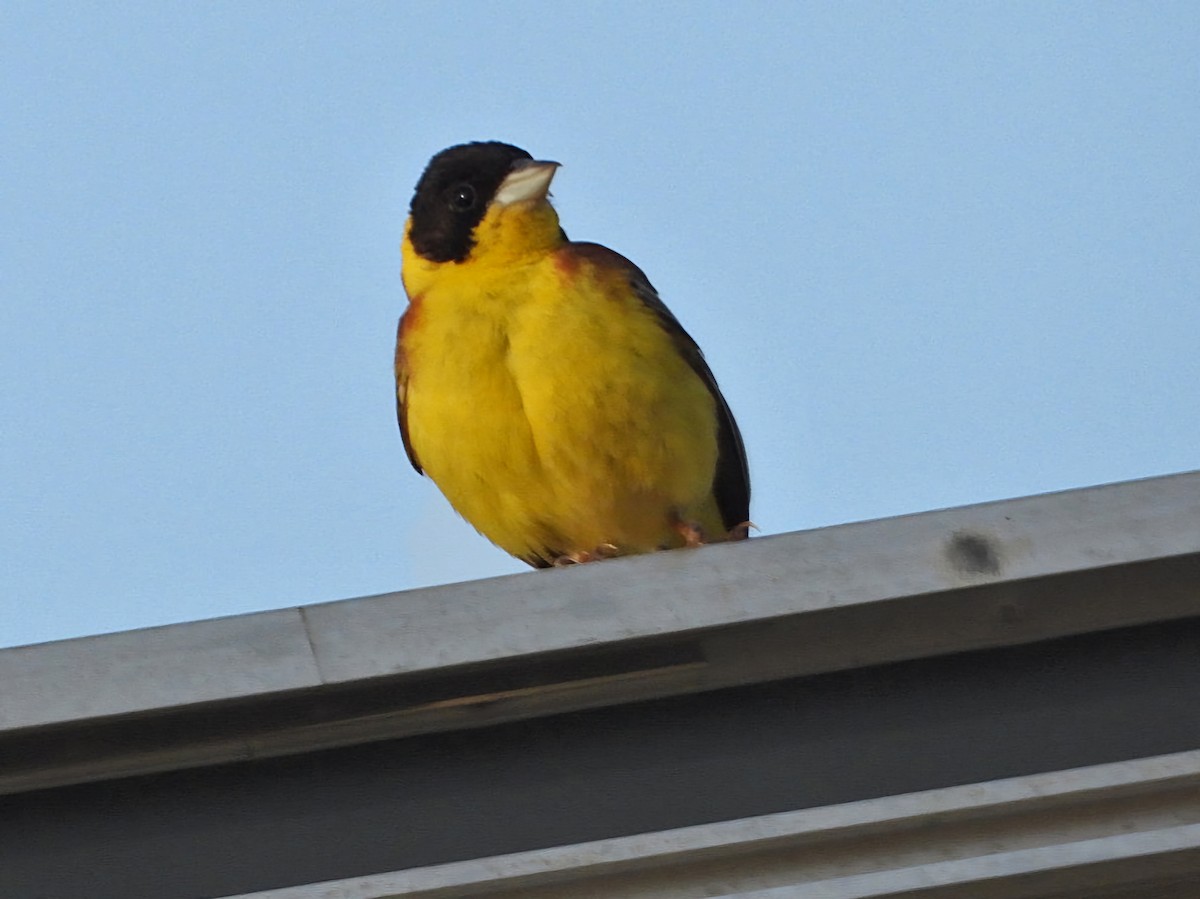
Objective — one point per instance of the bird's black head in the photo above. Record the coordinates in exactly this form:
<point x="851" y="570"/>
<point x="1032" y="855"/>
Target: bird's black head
<point x="453" y="195"/>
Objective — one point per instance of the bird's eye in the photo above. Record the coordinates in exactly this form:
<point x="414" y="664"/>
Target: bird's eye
<point x="462" y="197"/>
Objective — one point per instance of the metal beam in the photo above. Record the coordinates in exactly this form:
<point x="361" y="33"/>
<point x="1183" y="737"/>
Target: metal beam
<point x="475" y="654"/>
<point x="1089" y="829"/>
<point x="634" y="768"/>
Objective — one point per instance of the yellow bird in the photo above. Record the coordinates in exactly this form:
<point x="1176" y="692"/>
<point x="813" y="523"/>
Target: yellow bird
<point x="544" y="386"/>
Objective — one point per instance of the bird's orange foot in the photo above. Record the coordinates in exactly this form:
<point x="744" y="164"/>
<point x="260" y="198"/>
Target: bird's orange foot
<point x="690" y="531"/>
<point x="603" y="551"/>
<point x="693" y="534"/>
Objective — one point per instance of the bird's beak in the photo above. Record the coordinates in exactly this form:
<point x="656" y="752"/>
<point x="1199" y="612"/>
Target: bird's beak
<point x="529" y="180"/>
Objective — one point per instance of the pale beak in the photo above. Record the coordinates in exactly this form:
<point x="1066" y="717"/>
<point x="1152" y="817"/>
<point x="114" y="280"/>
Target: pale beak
<point x="529" y="180"/>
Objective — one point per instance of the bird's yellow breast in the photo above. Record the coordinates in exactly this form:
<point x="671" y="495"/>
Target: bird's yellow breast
<point x="548" y="403"/>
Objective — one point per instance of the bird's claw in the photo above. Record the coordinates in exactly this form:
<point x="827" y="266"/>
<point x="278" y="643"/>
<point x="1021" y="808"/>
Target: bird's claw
<point x="603" y="551"/>
<point x="693" y="534"/>
<point x="740" y="531"/>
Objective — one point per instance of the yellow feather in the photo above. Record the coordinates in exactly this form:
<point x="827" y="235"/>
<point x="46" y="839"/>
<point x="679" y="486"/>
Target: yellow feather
<point x="546" y="399"/>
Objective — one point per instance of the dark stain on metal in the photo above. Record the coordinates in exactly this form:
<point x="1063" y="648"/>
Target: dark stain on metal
<point x="973" y="554"/>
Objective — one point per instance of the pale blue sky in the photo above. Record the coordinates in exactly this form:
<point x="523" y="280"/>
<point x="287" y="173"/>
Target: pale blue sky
<point x="935" y="253"/>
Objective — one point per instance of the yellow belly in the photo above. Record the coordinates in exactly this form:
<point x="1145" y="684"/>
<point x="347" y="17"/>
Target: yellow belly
<point x="555" y="413"/>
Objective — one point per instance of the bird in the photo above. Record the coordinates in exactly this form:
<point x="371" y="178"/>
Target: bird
<point x="544" y="386"/>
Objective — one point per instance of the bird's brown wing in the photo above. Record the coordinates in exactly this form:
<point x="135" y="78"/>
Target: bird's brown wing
<point x="401" y="392"/>
<point x="731" y="484"/>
